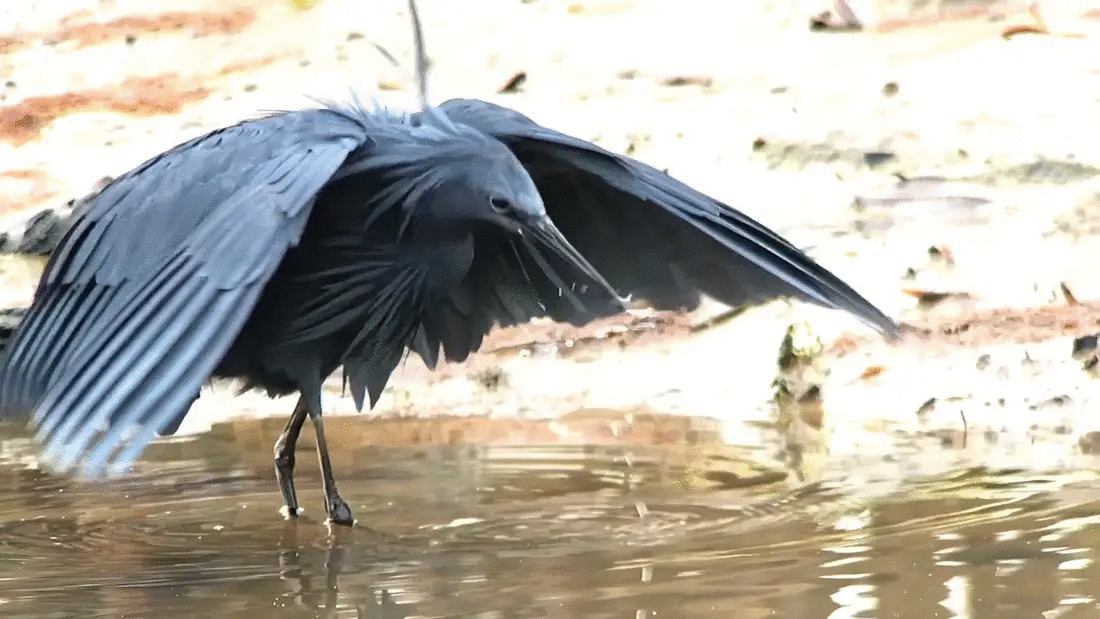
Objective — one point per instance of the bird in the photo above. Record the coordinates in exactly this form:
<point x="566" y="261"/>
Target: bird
<point x="282" y="248"/>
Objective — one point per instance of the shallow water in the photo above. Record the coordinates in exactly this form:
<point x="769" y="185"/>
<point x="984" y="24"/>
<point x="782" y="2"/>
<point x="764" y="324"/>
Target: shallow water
<point x="563" y="531"/>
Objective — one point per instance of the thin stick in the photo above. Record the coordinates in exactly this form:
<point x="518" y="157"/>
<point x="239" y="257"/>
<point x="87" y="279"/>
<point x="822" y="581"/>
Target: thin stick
<point x="388" y="56"/>
<point x="966" y="428"/>
<point x="422" y="62"/>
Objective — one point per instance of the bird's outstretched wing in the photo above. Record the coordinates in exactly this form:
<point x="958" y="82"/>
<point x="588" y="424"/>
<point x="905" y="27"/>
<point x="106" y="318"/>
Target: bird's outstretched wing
<point x="154" y="281"/>
<point x="652" y="236"/>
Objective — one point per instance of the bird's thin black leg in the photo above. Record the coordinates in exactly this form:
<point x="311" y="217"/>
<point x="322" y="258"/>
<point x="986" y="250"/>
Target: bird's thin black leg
<point x="284" y="455"/>
<point x="338" y="510"/>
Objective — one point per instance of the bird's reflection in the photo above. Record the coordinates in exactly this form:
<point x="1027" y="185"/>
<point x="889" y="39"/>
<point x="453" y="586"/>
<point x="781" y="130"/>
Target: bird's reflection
<point x="384" y="608"/>
<point x="320" y="593"/>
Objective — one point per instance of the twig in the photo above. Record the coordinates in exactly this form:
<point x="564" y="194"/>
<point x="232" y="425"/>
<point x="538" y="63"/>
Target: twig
<point x="422" y="62"/>
<point x="966" y="428"/>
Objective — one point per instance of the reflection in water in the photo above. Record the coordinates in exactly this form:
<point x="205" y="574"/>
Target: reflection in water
<point x="564" y="531"/>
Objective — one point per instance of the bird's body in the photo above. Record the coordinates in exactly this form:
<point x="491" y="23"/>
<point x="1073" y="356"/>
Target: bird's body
<point x="339" y="275"/>
<point x="285" y="247"/>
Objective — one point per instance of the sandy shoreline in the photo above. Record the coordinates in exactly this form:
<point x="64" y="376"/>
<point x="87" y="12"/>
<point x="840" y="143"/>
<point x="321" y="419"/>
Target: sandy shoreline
<point x="804" y="131"/>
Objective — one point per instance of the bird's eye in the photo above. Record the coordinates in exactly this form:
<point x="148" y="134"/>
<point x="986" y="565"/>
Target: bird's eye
<point x="500" y="204"/>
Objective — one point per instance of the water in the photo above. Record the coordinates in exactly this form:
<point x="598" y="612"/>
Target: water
<point x="563" y="531"/>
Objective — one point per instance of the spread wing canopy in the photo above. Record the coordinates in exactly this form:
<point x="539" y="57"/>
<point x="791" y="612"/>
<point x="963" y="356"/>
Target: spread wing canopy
<point x="652" y="236"/>
<point x="154" y="281"/>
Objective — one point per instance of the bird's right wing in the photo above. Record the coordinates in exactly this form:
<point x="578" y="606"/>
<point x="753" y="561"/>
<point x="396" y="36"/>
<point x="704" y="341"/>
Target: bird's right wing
<point x="154" y="281"/>
<point x="652" y="236"/>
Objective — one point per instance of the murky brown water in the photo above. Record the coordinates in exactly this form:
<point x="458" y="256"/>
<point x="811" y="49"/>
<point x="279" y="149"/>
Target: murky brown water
<point x="565" y="531"/>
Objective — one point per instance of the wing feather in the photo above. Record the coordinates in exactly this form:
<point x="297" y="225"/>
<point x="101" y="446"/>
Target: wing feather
<point x="161" y="401"/>
<point x="510" y="283"/>
<point x="390" y="306"/>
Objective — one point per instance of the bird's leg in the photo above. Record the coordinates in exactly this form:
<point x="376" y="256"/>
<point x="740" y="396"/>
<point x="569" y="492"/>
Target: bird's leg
<point x="338" y="510"/>
<point x="284" y="455"/>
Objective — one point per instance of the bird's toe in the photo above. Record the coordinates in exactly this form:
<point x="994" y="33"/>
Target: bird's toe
<point x="339" y="512"/>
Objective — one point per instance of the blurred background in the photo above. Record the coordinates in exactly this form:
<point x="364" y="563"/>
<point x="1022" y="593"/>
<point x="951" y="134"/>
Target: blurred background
<point x="942" y="156"/>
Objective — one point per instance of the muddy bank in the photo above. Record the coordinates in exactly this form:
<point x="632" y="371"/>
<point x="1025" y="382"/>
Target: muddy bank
<point x="948" y="172"/>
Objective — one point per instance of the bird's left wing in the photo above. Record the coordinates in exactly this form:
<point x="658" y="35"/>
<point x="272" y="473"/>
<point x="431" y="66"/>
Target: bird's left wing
<point x="652" y="236"/>
<point x="155" y="279"/>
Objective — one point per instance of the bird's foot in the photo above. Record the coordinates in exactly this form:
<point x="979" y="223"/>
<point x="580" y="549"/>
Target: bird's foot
<point x="290" y="513"/>
<point x="339" y="512"/>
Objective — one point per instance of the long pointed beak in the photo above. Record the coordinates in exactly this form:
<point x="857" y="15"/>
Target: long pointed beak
<point x="546" y="233"/>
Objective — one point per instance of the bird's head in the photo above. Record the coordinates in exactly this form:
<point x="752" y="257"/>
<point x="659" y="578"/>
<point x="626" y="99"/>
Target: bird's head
<point x="488" y="185"/>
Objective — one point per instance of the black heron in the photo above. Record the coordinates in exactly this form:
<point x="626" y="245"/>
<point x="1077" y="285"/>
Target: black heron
<point x="284" y="247"/>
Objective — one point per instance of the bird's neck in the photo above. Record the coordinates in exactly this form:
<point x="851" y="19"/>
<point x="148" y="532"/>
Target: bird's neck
<point x="443" y="252"/>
